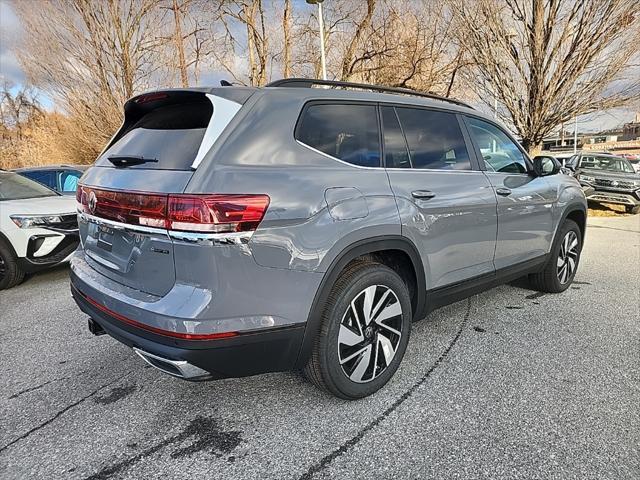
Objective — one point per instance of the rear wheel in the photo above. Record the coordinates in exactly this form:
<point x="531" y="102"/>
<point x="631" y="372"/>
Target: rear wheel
<point x="10" y="272"/>
<point x="632" y="209"/>
<point x="364" y="332"/>
<point x="563" y="261"/>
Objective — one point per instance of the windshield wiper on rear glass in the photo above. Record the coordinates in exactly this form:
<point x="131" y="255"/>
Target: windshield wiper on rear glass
<point x="129" y="160"/>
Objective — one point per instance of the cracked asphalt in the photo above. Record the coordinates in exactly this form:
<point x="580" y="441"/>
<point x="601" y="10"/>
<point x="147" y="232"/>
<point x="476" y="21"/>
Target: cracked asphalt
<point x="508" y="384"/>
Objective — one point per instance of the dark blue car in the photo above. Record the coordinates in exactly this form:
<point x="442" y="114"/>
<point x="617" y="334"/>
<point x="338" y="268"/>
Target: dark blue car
<point x="61" y="178"/>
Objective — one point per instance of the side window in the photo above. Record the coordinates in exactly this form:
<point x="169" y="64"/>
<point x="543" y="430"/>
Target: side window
<point x="396" y="154"/>
<point x="345" y="131"/>
<point x="434" y="139"/>
<point x="500" y="153"/>
<point x="69" y="180"/>
<point x="45" y="177"/>
<point x="588" y="162"/>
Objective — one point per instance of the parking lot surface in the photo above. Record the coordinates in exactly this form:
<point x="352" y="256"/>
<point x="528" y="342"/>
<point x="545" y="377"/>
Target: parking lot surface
<point x="508" y="384"/>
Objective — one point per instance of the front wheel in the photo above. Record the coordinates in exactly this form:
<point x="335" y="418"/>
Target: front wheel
<point x="364" y="332"/>
<point x="10" y="272"/>
<point x="563" y="261"/>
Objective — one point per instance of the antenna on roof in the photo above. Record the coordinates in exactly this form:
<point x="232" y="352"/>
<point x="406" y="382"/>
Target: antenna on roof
<point x="224" y="83"/>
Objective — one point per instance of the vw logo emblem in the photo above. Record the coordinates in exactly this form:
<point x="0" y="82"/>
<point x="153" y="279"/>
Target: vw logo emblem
<point x="92" y="202"/>
<point x="614" y="183"/>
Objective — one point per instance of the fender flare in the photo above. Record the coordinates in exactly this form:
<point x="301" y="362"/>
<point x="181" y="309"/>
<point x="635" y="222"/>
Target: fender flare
<point x="572" y="207"/>
<point x="353" y="251"/>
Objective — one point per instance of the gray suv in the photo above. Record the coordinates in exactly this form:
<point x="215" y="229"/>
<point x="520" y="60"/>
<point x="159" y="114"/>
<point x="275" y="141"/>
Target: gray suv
<point x="612" y="179"/>
<point x="234" y="231"/>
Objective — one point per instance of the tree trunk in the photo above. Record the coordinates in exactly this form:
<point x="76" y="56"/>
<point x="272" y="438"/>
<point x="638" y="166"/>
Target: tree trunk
<point x="286" y="71"/>
<point x="179" y="44"/>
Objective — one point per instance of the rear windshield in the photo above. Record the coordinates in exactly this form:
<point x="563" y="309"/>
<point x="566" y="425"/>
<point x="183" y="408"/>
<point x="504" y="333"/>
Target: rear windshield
<point x="168" y="137"/>
<point x="17" y="187"/>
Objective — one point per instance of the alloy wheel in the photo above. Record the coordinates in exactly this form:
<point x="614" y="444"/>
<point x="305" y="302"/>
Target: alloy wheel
<point x="568" y="257"/>
<point x="370" y="333"/>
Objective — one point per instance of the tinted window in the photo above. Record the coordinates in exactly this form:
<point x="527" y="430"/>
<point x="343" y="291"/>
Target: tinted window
<point x="15" y="187"/>
<point x="434" y="138"/>
<point x="500" y="153"/>
<point x="171" y="134"/>
<point x="347" y="132"/>
<point x="45" y="177"/>
<point x="396" y="154"/>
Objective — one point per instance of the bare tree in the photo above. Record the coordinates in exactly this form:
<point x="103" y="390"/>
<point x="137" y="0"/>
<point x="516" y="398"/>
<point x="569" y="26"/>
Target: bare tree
<point x="91" y="56"/>
<point x="548" y="61"/>
<point x="250" y="14"/>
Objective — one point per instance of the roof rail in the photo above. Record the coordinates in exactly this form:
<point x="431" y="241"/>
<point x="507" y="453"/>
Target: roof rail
<point x="310" y="82"/>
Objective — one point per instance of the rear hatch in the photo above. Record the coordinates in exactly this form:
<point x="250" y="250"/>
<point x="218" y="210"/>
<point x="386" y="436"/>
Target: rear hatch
<point x="123" y="200"/>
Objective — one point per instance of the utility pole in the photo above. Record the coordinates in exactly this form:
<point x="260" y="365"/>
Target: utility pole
<point x="323" y="61"/>
<point x="180" y="44"/>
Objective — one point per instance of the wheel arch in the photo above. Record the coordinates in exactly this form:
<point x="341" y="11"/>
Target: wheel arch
<point x="375" y="247"/>
<point x="5" y="240"/>
<point x="576" y="212"/>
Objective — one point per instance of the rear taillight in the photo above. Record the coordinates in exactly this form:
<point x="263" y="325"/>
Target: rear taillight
<point x="213" y="213"/>
<point x="216" y="213"/>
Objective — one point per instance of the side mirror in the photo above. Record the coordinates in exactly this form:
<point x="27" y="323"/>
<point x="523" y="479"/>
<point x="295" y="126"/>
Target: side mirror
<point x="544" y="165"/>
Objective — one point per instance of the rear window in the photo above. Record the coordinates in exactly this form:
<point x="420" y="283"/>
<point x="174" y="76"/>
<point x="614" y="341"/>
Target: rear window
<point x="168" y="136"/>
<point x="17" y="187"/>
<point x="344" y="131"/>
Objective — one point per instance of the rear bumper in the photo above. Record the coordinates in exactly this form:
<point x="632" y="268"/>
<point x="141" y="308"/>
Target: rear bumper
<point x="248" y="353"/>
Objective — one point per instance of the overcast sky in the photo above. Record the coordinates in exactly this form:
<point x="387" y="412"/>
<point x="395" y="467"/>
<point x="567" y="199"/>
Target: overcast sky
<point x="10" y="70"/>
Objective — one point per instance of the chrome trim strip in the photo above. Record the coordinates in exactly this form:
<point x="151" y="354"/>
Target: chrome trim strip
<point x="187" y="370"/>
<point x="121" y="226"/>
<point x="232" y="238"/>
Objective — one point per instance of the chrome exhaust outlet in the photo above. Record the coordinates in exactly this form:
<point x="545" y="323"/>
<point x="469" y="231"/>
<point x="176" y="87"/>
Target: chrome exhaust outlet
<point x="176" y="368"/>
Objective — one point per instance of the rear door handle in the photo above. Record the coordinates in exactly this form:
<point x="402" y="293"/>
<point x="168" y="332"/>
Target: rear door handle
<point x="422" y="194"/>
<point x="503" y="191"/>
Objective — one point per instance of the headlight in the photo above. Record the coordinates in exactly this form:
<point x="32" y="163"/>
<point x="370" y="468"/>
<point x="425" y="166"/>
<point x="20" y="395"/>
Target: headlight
<point x="587" y="179"/>
<point x="33" y="221"/>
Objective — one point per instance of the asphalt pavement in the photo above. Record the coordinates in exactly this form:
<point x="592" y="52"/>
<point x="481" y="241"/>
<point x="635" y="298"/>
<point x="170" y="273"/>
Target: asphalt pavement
<point x="510" y="383"/>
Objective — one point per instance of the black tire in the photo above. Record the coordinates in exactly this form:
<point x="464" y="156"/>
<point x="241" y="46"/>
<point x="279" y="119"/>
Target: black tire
<point x="552" y="278"/>
<point x="10" y="272"/>
<point x="324" y="368"/>
<point x="632" y="209"/>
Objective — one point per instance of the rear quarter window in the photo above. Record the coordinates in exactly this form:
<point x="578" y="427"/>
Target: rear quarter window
<point x="169" y="134"/>
<point x="348" y="132"/>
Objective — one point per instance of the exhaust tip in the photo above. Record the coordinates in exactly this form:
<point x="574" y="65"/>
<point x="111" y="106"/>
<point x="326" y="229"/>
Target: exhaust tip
<point x="95" y="327"/>
<point x="176" y="368"/>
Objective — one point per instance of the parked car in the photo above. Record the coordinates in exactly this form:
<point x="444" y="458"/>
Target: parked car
<point x="613" y="179"/>
<point x="61" y="178"/>
<point x="234" y="231"/>
<point x="38" y="228"/>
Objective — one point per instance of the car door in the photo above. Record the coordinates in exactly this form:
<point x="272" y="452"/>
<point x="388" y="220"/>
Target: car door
<point x="525" y="201"/>
<point x="447" y="207"/>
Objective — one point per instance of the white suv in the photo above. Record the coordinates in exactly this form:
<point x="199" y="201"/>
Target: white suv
<point x="38" y="228"/>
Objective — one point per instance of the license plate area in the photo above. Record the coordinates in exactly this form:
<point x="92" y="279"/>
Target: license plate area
<point x="105" y="238"/>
